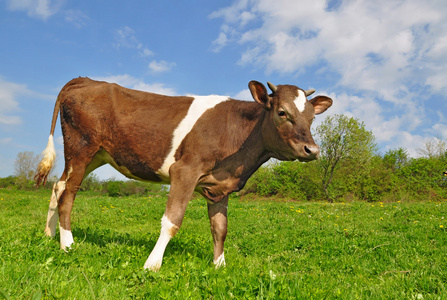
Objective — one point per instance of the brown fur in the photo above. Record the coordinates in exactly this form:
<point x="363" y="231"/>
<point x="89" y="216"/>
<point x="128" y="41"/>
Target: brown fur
<point x="132" y="130"/>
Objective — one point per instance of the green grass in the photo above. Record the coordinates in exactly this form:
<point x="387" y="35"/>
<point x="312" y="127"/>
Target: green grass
<point x="274" y="250"/>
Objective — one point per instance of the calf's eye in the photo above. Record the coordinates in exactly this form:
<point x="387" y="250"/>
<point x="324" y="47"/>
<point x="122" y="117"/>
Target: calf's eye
<point x="281" y="113"/>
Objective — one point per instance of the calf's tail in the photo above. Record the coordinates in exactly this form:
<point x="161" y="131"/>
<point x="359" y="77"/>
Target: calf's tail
<point x="49" y="154"/>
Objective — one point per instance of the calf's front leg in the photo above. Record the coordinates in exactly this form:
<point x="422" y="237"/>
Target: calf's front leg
<point x="168" y="230"/>
<point x="182" y="187"/>
<point x="217" y="213"/>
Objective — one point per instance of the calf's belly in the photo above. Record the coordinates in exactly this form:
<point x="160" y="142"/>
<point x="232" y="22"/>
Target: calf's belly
<point x="131" y="166"/>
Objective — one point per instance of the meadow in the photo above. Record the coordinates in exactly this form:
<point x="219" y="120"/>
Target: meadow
<point x="275" y="249"/>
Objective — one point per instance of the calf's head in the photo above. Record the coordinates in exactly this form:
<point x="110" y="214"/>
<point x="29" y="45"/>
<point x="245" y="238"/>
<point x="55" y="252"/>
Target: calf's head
<point x="289" y="115"/>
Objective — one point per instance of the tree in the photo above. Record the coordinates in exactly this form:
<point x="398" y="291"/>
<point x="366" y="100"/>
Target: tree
<point x="396" y="158"/>
<point x="25" y="165"/>
<point x="343" y="140"/>
<point x="435" y="147"/>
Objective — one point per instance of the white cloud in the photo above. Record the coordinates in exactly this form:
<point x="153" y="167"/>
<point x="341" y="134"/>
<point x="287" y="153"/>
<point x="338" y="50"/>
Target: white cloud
<point x="138" y="84"/>
<point x="44" y="9"/>
<point x="391" y="124"/>
<point x="236" y="13"/>
<point x="441" y="130"/>
<point x="369" y="44"/>
<point x="5" y="141"/>
<point x="107" y="172"/>
<point x="9" y="92"/>
<point x="226" y="34"/>
<point x="41" y="9"/>
<point x="387" y="56"/>
<point x="125" y="38"/>
<point x="160" y="66"/>
<point x="146" y="52"/>
<point x="410" y="142"/>
<point x="243" y="95"/>
<point x="76" y="17"/>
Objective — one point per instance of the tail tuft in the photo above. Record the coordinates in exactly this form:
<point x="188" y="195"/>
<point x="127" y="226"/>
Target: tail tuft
<point x="46" y="164"/>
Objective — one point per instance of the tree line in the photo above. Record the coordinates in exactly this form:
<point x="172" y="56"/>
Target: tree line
<point x="350" y="167"/>
<point x="26" y="163"/>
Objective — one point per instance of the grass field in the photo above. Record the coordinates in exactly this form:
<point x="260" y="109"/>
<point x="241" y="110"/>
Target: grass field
<point x="274" y="250"/>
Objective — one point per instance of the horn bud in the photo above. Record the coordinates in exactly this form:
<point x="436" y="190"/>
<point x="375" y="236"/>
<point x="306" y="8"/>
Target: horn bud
<point x="272" y="87"/>
<point x="309" y="92"/>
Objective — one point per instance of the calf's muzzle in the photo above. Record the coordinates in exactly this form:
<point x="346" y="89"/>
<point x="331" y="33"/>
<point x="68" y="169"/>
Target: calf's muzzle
<point x="311" y="152"/>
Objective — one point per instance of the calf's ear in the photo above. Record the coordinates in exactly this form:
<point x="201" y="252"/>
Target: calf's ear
<point x="321" y="103"/>
<point x="259" y="93"/>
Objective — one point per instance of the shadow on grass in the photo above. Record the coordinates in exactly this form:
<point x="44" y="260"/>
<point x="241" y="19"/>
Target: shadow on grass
<point x="102" y="238"/>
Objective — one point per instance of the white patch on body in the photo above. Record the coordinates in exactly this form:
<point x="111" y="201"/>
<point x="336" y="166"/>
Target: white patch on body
<point x="300" y="101"/>
<point x="168" y="230"/>
<point x="220" y="261"/>
<point x="53" y="213"/>
<point x="199" y="105"/>
<point x="66" y="238"/>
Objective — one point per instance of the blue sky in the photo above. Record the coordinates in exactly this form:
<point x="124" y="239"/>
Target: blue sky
<point x="383" y="62"/>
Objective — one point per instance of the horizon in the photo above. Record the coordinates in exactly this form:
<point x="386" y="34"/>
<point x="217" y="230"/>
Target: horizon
<point x="382" y="62"/>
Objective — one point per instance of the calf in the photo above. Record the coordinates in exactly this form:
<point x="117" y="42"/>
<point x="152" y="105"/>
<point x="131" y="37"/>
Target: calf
<point x="208" y="144"/>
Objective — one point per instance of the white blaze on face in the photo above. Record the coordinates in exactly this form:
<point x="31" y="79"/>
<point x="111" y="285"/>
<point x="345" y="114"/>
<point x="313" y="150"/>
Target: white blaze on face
<point x="300" y="101"/>
<point x="199" y="105"/>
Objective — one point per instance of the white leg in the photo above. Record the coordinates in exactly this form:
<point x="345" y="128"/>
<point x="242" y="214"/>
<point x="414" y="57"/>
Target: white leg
<point x="220" y="262"/>
<point x="53" y="214"/>
<point x="66" y="238"/>
<point x="168" y="230"/>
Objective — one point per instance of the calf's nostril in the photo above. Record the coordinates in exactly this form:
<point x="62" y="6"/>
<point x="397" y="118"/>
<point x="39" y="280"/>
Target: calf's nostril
<point x="307" y="150"/>
<point x="312" y="151"/>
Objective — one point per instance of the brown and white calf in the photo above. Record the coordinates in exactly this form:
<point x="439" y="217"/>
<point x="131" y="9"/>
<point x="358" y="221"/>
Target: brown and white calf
<point x="208" y="144"/>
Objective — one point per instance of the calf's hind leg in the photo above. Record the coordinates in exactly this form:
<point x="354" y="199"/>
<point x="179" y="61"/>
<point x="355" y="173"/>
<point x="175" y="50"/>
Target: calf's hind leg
<point x="58" y="189"/>
<point x="53" y="213"/>
<point x="65" y="204"/>
<point x="217" y="213"/>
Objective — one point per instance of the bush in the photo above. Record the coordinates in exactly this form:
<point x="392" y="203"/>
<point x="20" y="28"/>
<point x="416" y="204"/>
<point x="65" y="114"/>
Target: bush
<point x="8" y="182"/>
<point x="92" y="183"/>
<point x="292" y="180"/>
<point x="114" y="188"/>
<point x="23" y="183"/>
<point x="132" y="187"/>
<point x="262" y="183"/>
<point x="393" y="176"/>
<point x="422" y="177"/>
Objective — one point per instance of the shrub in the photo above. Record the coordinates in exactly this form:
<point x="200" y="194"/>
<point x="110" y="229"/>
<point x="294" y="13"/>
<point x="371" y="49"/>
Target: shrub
<point x="393" y="176"/>
<point x="91" y="183"/>
<point x="115" y="188"/>
<point x="8" y="182"/>
<point x="132" y="187"/>
<point x="292" y="180"/>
